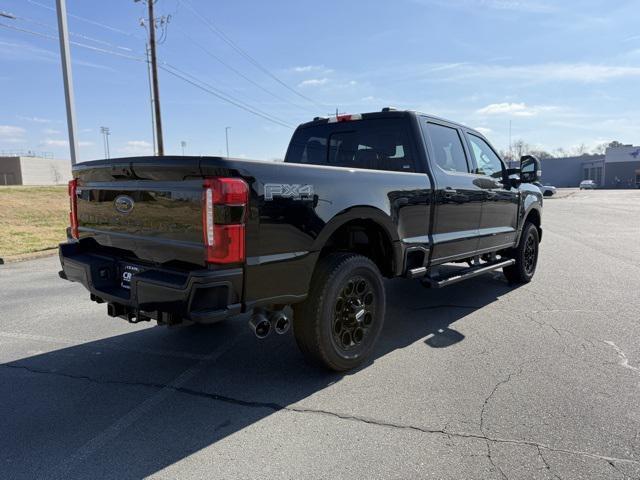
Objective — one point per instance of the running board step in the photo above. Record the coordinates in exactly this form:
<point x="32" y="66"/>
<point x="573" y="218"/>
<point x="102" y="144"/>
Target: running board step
<point x="417" y="272"/>
<point x="439" y="282"/>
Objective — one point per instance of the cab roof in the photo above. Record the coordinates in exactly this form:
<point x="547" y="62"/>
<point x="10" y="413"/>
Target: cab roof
<point x="387" y="112"/>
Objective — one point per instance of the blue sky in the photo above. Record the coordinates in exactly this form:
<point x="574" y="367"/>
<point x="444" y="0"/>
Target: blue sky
<point x="563" y="72"/>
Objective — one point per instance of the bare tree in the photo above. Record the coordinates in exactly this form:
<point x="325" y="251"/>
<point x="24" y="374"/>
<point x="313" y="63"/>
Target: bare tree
<point x="520" y="148"/>
<point x="600" y="149"/>
<point x="540" y="154"/>
<point x="580" y="150"/>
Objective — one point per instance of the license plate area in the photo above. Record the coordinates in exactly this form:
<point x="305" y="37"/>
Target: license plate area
<point x="127" y="271"/>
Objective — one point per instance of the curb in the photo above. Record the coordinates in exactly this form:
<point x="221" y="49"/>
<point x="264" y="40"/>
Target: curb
<point x="23" y="257"/>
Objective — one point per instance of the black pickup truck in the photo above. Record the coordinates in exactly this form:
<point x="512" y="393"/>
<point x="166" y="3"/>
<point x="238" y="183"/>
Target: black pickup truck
<point x="358" y="198"/>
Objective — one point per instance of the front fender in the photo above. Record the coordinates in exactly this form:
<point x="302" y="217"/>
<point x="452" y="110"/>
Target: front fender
<point x="530" y="204"/>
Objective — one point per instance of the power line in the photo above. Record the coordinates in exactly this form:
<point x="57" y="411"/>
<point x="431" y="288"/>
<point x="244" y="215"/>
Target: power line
<point x="77" y="44"/>
<point x="222" y="96"/>
<point x="200" y="84"/>
<point x="239" y="73"/>
<point x="79" y="35"/>
<point x="242" y="52"/>
<point x="87" y="20"/>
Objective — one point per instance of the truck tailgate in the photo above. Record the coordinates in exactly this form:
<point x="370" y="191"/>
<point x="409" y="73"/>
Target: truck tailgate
<point x="149" y="207"/>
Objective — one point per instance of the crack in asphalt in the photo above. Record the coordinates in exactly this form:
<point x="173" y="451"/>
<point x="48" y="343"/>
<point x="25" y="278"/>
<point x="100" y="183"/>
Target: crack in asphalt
<point x="546" y="464"/>
<point x="275" y="407"/>
<point x="482" y="412"/>
<point x="624" y="361"/>
<point x="613" y="465"/>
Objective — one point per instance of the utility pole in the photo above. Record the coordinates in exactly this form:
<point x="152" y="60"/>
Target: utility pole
<point x="154" y="77"/>
<point x="226" y="135"/>
<point x="63" y="33"/>
<point x="152" y="101"/>
<point x="105" y="140"/>
<point x="183" y="144"/>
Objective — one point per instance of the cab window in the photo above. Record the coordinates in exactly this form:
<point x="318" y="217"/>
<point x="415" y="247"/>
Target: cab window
<point x="372" y="144"/>
<point x="485" y="159"/>
<point x="447" y="148"/>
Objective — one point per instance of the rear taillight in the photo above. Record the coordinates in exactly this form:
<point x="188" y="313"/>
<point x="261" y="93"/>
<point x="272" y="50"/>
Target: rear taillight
<point x="224" y="203"/>
<point x="73" y="207"/>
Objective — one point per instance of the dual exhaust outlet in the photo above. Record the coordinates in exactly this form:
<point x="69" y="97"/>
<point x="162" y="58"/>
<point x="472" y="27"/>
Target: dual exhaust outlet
<point x="262" y="322"/>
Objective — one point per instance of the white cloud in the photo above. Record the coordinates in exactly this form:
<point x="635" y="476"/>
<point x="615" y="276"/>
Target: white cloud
<point x="137" y="148"/>
<point x="446" y="66"/>
<point x="34" y="119"/>
<point x="483" y="130"/>
<point x="10" y="131"/>
<point x="313" y="82"/>
<point x="56" y="143"/>
<point x="51" y="131"/>
<point x="539" y="73"/>
<point x="311" y="68"/>
<point x="518" y="5"/>
<point x="515" y="109"/>
<point x="529" y="6"/>
<point x="49" y="142"/>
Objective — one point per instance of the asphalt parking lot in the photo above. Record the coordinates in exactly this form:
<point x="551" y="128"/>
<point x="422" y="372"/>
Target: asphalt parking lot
<point x="479" y="380"/>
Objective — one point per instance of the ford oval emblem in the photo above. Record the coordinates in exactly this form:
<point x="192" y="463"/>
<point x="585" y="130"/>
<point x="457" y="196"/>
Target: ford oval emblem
<point x="124" y="204"/>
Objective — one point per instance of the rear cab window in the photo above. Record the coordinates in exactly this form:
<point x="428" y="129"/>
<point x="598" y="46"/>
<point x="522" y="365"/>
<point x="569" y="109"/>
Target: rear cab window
<point x="377" y="144"/>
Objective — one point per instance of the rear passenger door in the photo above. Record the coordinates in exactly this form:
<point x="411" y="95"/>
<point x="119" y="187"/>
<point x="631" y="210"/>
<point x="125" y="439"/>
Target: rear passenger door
<point x="458" y="200"/>
<point x="500" y="208"/>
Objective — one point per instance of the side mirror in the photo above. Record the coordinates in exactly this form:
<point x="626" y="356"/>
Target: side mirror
<point x="530" y="170"/>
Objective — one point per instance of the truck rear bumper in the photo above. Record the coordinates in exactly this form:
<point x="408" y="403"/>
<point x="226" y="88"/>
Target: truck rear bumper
<point x="166" y="295"/>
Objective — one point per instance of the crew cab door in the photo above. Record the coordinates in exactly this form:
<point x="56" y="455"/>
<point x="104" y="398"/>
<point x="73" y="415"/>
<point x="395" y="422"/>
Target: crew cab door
<point x="458" y="198"/>
<point x="499" y="218"/>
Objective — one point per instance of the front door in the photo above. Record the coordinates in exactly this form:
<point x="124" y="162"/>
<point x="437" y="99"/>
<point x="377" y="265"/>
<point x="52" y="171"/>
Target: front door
<point x="499" y="219"/>
<point x="458" y="200"/>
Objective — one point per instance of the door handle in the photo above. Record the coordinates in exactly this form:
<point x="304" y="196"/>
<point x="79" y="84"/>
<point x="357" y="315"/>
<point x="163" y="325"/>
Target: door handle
<point x="450" y="192"/>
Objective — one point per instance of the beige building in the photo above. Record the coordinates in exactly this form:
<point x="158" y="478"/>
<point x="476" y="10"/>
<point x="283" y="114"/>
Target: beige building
<point x="33" y="170"/>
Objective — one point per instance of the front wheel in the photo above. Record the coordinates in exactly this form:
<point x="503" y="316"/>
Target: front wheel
<point x="525" y="255"/>
<point x="338" y="324"/>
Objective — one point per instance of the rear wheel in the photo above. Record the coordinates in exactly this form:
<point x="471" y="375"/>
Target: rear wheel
<point x="525" y="255"/>
<point x="338" y="324"/>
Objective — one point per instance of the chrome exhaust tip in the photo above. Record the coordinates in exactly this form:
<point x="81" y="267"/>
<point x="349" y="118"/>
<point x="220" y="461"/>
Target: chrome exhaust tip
<point x="280" y="321"/>
<point x="260" y="325"/>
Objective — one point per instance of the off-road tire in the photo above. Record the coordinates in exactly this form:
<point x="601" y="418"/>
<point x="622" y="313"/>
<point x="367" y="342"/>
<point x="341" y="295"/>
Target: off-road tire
<point x="525" y="255"/>
<point x="324" y="320"/>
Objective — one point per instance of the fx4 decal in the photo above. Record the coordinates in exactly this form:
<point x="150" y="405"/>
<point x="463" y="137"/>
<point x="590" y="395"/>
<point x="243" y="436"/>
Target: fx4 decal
<point x="294" y="191"/>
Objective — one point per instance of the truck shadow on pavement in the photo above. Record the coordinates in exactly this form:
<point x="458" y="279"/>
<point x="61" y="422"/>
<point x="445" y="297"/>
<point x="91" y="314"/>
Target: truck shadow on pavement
<point x="133" y="405"/>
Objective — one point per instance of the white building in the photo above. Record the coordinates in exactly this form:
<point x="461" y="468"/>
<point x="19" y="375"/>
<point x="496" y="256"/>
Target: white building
<point x="32" y="170"/>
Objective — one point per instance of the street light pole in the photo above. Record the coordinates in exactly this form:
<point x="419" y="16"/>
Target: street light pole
<point x="226" y="135"/>
<point x="105" y="134"/>
<point x="63" y="33"/>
